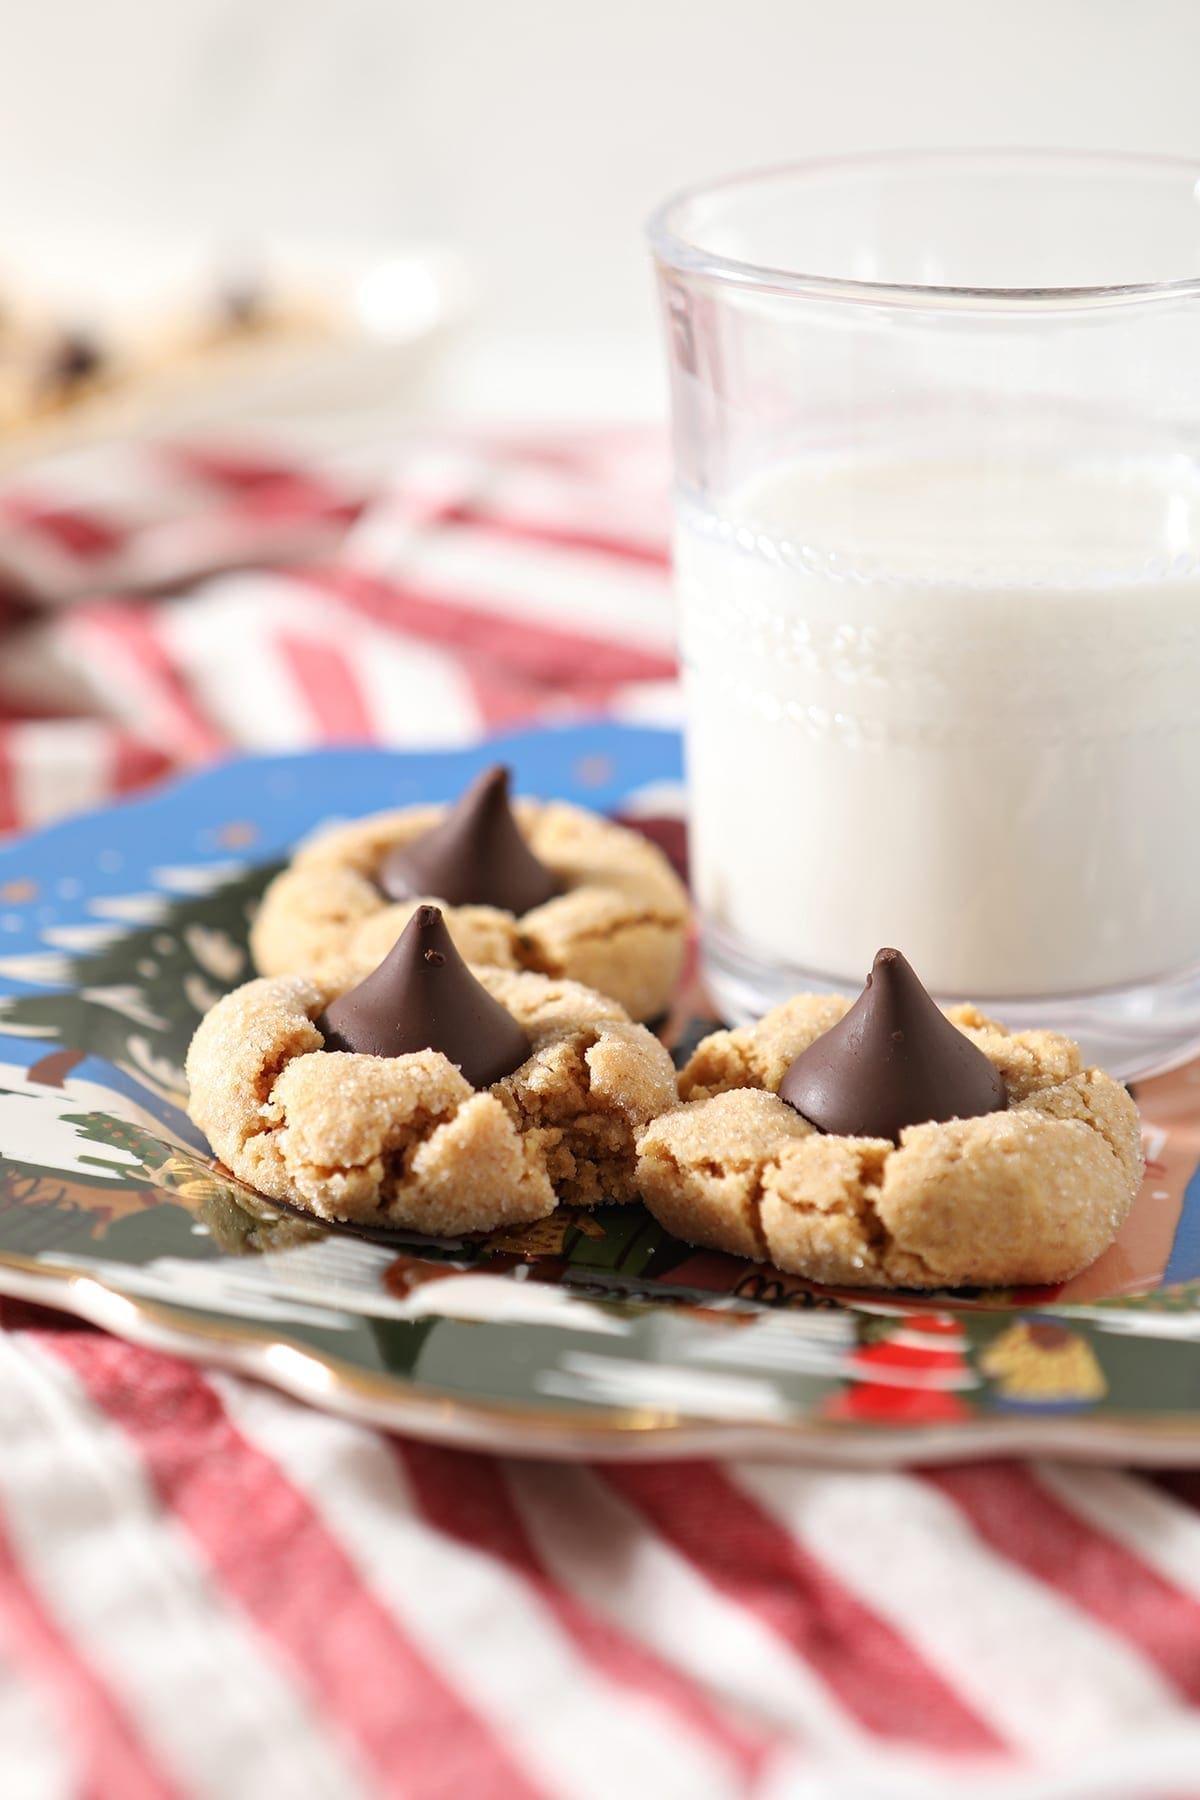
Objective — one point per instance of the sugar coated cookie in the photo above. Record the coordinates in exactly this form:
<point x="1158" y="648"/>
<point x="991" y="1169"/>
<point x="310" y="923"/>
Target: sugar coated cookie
<point x="935" y="1150"/>
<point x="431" y="1095"/>
<point x="541" y="886"/>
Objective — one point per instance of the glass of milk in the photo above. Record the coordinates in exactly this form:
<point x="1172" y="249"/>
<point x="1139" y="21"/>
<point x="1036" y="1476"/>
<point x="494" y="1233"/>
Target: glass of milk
<point x="937" y="451"/>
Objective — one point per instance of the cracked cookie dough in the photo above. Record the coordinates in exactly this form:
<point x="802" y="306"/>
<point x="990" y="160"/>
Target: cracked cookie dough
<point x="1023" y="1196"/>
<point x="406" y="1140"/>
<point x="617" y="924"/>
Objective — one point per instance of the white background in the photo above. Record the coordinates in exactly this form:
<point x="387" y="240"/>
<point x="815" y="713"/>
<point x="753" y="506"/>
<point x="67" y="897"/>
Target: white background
<point x="536" y="134"/>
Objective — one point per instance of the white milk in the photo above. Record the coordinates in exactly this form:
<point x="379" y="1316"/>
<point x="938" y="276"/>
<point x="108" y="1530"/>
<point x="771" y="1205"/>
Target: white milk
<point x="951" y="707"/>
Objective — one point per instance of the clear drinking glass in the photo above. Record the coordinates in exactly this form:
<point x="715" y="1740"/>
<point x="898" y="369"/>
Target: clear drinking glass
<point x="937" y="453"/>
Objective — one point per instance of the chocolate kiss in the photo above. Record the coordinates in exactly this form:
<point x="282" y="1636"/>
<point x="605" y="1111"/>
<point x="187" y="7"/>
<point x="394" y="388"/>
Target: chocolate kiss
<point x="423" y="997"/>
<point x="894" y="1060"/>
<point x="474" y="856"/>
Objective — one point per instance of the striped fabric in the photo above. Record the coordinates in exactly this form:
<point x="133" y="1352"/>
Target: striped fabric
<point x="207" y="1589"/>
<point x="158" y="605"/>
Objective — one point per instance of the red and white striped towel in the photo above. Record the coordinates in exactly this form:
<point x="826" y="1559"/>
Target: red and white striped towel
<point x="209" y="1590"/>
<point x="158" y="604"/>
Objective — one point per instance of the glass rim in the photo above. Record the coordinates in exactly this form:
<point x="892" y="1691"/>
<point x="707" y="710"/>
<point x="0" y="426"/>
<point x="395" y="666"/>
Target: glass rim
<point x="672" y="249"/>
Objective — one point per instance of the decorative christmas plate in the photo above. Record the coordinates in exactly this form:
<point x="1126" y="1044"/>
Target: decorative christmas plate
<point x="590" y="1334"/>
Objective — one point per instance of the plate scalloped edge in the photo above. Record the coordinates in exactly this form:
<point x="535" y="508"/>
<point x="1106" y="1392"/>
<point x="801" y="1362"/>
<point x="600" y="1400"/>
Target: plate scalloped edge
<point x="169" y="855"/>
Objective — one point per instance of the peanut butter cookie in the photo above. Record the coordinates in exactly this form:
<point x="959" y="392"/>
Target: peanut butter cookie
<point x="611" y="913"/>
<point x="1028" y="1192"/>
<point x="406" y="1138"/>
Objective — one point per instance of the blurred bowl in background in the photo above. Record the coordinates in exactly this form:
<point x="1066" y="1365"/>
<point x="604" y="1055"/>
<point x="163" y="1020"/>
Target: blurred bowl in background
<point x="106" y="335"/>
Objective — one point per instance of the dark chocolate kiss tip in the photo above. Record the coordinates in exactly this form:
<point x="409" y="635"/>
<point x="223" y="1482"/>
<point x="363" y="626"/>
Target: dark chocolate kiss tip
<point x="474" y="856"/>
<point x="424" y="997"/>
<point x="894" y="1060"/>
